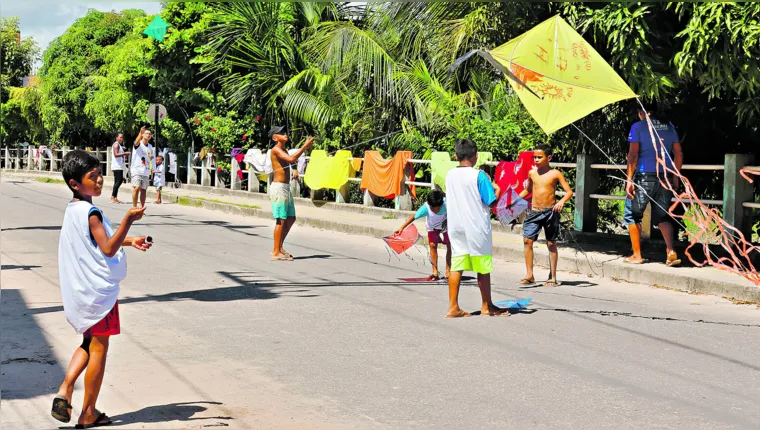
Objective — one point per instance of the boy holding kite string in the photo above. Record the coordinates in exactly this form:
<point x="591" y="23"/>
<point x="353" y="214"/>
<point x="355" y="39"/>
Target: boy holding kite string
<point x="544" y="213"/>
<point x="471" y="195"/>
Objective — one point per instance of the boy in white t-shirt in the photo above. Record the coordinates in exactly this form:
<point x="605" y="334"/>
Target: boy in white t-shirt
<point x="434" y="210"/>
<point x="471" y="195"/>
<point x="91" y="264"/>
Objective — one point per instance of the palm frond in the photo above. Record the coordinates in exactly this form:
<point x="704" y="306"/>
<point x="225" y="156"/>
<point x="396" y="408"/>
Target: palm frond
<point x="346" y="51"/>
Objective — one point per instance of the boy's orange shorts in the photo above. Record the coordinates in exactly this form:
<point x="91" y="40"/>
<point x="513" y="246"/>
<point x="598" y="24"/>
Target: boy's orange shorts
<point x="108" y="326"/>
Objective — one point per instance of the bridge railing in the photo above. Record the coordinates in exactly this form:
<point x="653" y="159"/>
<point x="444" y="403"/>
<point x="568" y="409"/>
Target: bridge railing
<point x="738" y="202"/>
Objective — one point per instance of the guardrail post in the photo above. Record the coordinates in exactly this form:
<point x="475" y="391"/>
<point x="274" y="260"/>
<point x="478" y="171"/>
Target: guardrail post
<point x="370" y="200"/>
<point x="253" y="181"/>
<point x="586" y="183"/>
<point x="295" y="188"/>
<point x="53" y="160"/>
<point x="342" y="193"/>
<point x="192" y="177"/>
<point x="29" y="158"/>
<point x="403" y="201"/>
<point x="7" y="157"/>
<point x="205" y="178"/>
<point x="646" y="222"/>
<point x="235" y="183"/>
<point x="737" y="190"/>
<point x="109" y="160"/>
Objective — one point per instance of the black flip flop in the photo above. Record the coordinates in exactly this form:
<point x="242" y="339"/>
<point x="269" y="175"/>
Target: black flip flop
<point x="61" y="409"/>
<point x="102" y="420"/>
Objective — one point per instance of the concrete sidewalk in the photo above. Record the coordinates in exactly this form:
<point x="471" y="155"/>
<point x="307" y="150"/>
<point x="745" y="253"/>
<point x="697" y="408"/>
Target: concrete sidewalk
<point x="595" y="260"/>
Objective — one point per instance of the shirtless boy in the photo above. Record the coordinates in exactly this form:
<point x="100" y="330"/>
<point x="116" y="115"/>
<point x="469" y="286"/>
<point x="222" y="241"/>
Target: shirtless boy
<point x="544" y="213"/>
<point x="283" y="206"/>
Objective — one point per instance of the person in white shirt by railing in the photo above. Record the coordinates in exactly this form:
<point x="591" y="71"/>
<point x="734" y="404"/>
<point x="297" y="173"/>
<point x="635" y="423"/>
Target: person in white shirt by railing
<point x="118" y="165"/>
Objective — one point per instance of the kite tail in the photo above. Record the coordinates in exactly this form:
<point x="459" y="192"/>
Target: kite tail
<point x="728" y="236"/>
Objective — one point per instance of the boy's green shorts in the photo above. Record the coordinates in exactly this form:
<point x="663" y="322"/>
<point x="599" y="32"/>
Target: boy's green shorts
<point x="480" y="264"/>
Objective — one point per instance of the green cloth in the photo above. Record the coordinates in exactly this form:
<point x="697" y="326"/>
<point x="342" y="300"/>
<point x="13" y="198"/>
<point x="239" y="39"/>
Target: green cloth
<point x="441" y="163"/>
<point x="157" y="29"/>
<point x="325" y="172"/>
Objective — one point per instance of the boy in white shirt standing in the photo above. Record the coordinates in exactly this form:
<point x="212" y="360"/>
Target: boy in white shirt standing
<point x="91" y="265"/>
<point x="470" y="196"/>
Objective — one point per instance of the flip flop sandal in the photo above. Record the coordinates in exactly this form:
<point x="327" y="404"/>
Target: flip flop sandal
<point x="61" y="409"/>
<point x="101" y="420"/>
<point x="432" y="278"/>
<point x="500" y="314"/>
<point x="282" y="258"/>
<point x="552" y="283"/>
<point x="629" y="260"/>
<point x="526" y="281"/>
<point x="672" y="262"/>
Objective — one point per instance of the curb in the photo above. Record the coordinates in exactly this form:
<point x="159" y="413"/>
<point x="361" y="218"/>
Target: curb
<point x="612" y="268"/>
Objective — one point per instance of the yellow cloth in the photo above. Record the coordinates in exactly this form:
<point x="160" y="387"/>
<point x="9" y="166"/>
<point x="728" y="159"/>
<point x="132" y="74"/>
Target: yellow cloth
<point x="441" y="163"/>
<point x="328" y="172"/>
<point x="560" y="66"/>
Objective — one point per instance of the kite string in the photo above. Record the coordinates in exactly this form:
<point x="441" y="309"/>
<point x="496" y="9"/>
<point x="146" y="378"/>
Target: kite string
<point x="749" y="273"/>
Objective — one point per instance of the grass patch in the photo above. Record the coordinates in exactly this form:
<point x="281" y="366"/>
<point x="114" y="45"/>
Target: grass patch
<point x="184" y="201"/>
<point x="234" y="204"/>
<point x="51" y="181"/>
<point x="198" y="202"/>
<point x="389" y="215"/>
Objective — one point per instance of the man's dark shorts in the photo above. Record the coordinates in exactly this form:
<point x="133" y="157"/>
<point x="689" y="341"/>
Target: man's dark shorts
<point x="647" y="187"/>
<point x="546" y="219"/>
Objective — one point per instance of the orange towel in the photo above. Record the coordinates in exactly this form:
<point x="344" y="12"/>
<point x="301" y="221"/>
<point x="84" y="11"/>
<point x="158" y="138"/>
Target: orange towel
<point x="357" y="164"/>
<point x="383" y="177"/>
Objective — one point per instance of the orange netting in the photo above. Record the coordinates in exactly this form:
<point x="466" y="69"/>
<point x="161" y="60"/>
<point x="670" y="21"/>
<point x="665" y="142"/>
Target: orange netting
<point x="710" y="225"/>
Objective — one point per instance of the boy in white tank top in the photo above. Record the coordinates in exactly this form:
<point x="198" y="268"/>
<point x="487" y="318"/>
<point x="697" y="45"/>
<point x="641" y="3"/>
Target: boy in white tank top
<point x="91" y="264"/>
<point x="471" y="195"/>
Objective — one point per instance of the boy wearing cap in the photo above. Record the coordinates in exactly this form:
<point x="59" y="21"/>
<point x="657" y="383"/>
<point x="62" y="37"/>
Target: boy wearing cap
<point x="283" y="207"/>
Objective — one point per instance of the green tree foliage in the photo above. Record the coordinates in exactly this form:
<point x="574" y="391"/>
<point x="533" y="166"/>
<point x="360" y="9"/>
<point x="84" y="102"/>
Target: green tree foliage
<point x="17" y="55"/>
<point x="70" y="67"/>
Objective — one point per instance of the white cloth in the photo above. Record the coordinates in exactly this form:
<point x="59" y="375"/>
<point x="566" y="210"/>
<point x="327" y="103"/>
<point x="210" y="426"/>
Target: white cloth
<point x="117" y="163"/>
<point x="141" y="164"/>
<point x="89" y="280"/>
<point x="260" y="162"/>
<point x="469" y="221"/>
<point x="172" y="163"/>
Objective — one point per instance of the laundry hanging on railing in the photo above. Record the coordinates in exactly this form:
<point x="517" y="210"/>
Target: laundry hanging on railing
<point x="441" y="163"/>
<point x="383" y="177"/>
<point x="325" y="172"/>
<point x="261" y="163"/>
<point x="514" y="174"/>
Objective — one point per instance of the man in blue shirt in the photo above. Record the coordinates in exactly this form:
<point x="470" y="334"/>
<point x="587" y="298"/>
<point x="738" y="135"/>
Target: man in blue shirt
<point x="643" y="185"/>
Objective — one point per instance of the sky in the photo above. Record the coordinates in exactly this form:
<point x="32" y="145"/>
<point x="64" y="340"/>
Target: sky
<point x="44" y="20"/>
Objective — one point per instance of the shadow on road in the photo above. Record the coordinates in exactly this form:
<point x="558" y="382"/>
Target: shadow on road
<point x="29" y="369"/>
<point x="15" y="267"/>
<point x="35" y="227"/>
<point x="172" y="412"/>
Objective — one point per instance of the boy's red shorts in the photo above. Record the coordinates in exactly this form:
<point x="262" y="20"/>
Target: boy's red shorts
<point x="438" y="237"/>
<point x="108" y="326"/>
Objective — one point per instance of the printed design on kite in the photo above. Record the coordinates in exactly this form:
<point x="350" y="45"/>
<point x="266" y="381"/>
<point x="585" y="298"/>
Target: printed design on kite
<point x="550" y="90"/>
<point x="581" y="50"/>
<point x="525" y="75"/>
<point x="541" y="55"/>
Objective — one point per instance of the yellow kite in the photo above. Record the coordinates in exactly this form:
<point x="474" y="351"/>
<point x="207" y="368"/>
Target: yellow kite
<point x="558" y="76"/>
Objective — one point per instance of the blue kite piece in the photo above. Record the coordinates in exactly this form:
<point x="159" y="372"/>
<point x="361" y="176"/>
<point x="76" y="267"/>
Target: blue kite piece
<point x="513" y="304"/>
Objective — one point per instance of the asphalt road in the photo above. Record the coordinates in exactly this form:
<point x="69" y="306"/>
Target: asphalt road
<point x="216" y="335"/>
